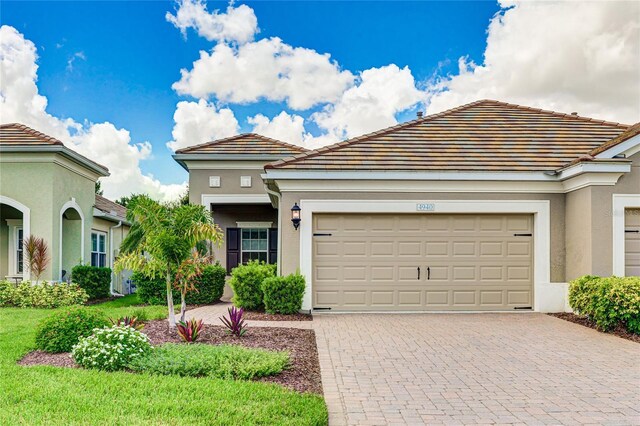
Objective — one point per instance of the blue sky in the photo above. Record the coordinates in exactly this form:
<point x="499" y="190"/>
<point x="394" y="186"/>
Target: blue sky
<point x="133" y="55"/>
<point x="105" y="77"/>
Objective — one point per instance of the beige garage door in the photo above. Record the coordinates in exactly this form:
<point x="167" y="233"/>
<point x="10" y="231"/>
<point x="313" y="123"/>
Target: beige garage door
<point x="422" y="262"/>
<point x="632" y="242"/>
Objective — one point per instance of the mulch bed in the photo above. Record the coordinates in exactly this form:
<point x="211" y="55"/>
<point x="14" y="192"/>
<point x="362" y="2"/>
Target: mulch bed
<point x="620" y="331"/>
<point x="303" y="374"/>
<point x="263" y="316"/>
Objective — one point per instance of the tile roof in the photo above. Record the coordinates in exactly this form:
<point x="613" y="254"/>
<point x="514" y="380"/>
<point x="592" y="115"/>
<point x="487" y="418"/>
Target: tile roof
<point x="19" y="134"/>
<point x="628" y="134"/>
<point x="246" y="143"/>
<point x="483" y="135"/>
<point x="107" y="206"/>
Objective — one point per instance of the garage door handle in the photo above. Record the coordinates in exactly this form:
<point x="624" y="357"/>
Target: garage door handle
<point x="633" y="231"/>
<point x="418" y="272"/>
<point x="428" y="273"/>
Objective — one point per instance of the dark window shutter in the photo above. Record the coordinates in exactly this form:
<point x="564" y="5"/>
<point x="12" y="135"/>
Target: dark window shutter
<point x="233" y="248"/>
<point x="273" y="245"/>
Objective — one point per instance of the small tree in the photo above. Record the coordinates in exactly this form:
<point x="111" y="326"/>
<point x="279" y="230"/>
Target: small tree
<point x="187" y="273"/>
<point x="162" y="238"/>
<point x="37" y="253"/>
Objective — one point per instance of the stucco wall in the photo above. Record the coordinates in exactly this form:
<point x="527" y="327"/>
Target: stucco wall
<point x="4" y="246"/>
<point x="579" y="242"/>
<point x="45" y="187"/>
<point x="229" y="183"/>
<point x="291" y="241"/>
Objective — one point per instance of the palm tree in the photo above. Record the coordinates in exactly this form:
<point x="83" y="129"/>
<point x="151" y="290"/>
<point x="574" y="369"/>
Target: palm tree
<point x="162" y="238"/>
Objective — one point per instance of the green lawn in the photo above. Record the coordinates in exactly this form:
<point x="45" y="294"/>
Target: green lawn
<point x="51" y="395"/>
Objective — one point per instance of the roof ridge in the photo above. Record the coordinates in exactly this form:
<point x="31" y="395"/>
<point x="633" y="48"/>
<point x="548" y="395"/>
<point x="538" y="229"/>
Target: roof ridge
<point x="347" y="142"/>
<point x="238" y="136"/>
<point x="33" y="132"/>
<point x="556" y="113"/>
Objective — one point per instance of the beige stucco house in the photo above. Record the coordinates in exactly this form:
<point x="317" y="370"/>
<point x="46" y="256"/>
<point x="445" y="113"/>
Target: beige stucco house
<point x="488" y="206"/>
<point x="48" y="190"/>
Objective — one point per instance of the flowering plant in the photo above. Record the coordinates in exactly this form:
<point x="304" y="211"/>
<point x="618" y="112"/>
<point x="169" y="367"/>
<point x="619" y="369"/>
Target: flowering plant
<point x="111" y="348"/>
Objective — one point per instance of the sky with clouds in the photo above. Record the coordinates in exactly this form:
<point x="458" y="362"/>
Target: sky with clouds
<point x="126" y="84"/>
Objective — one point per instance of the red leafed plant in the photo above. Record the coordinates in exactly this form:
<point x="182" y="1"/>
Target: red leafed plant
<point x="190" y="330"/>
<point x="130" y="321"/>
<point x="37" y="253"/>
<point x="235" y="324"/>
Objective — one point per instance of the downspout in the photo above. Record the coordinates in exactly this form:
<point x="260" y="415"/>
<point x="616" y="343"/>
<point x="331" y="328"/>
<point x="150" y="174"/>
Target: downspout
<point x="279" y="256"/>
<point x="111" y="263"/>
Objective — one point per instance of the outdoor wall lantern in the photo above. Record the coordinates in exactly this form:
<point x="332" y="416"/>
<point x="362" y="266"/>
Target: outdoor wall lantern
<point x="295" y="215"/>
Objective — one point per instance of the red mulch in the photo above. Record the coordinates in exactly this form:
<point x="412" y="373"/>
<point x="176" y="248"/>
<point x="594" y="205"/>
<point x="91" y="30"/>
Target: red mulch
<point x="620" y="331"/>
<point x="303" y="374"/>
<point x="263" y="316"/>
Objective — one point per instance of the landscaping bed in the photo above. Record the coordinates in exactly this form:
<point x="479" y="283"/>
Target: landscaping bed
<point x="619" y="331"/>
<point x="303" y="374"/>
<point x="263" y="316"/>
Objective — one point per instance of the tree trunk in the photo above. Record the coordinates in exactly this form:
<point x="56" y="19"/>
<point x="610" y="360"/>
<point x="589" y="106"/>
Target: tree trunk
<point x="172" y="313"/>
<point x="183" y="306"/>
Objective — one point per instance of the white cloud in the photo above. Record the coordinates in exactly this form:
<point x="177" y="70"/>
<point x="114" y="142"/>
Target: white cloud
<point x="372" y="104"/>
<point x="238" y="24"/>
<point x="564" y="56"/>
<point x="200" y="122"/>
<point x="102" y="142"/>
<point x="284" y="127"/>
<point x="72" y="59"/>
<point x="266" y="69"/>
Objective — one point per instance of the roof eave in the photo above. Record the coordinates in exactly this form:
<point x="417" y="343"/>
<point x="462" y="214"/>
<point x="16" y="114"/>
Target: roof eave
<point x="111" y="218"/>
<point x="182" y="158"/>
<point x="100" y="170"/>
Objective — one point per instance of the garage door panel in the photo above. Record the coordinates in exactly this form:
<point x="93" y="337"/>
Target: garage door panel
<point x="474" y="262"/>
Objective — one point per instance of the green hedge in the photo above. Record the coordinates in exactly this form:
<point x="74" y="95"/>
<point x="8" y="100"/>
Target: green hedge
<point x="608" y="302"/>
<point x="283" y="295"/>
<point x="60" y="331"/>
<point x="43" y="295"/>
<point x="210" y="286"/>
<point x="246" y="282"/>
<point x="94" y="280"/>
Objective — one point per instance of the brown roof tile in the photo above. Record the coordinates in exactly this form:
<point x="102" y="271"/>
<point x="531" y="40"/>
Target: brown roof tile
<point x="246" y="143"/>
<point x="107" y="206"/>
<point x="483" y="135"/>
<point x="19" y="134"/>
<point x="628" y="134"/>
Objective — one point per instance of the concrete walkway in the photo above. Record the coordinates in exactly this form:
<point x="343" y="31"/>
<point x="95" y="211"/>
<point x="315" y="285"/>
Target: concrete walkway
<point x="469" y="369"/>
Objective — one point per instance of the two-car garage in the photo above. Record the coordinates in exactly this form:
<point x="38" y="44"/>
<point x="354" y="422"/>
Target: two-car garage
<point x="414" y="262"/>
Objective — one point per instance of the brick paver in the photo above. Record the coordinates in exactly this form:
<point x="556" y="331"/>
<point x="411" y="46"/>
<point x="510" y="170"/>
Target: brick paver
<point x="475" y="369"/>
<point x="459" y="369"/>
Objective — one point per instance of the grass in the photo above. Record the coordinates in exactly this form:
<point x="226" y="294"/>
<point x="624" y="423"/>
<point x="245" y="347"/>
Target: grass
<point x="222" y="362"/>
<point x="63" y="396"/>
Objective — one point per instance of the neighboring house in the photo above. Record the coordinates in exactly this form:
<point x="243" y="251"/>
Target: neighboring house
<point x="48" y="190"/>
<point x="488" y="206"/>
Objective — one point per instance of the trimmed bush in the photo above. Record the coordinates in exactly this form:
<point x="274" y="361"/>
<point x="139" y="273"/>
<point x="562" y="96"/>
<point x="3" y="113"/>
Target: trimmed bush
<point x="283" y="295"/>
<point x="608" y="302"/>
<point x="222" y="362"/>
<point x="94" y="280"/>
<point x="210" y="285"/>
<point x="43" y="295"/>
<point x="246" y="282"/>
<point x="111" y="348"/>
<point x="60" y="331"/>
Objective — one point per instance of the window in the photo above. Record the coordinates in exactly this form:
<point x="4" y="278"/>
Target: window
<point x="214" y="181"/>
<point x="255" y="245"/>
<point x="19" y="250"/>
<point x="98" y="249"/>
<point x="245" y="181"/>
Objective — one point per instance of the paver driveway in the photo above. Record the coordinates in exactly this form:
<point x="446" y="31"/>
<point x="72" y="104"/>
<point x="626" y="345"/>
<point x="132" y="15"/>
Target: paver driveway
<point x="475" y="368"/>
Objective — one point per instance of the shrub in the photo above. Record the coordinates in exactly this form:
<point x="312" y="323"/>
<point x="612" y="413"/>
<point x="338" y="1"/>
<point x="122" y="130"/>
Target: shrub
<point x="190" y="330"/>
<point x="128" y="321"/>
<point x="235" y="324"/>
<point x="60" y="331"/>
<point x="223" y="362"/>
<point x="246" y="282"/>
<point x="94" y="280"/>
<point x="608" y="302"/>
<point x="283" y="295"/>
<point x="210" y="285"/>
<point x="111" y="348"/>
<point x="43" y="295"/>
